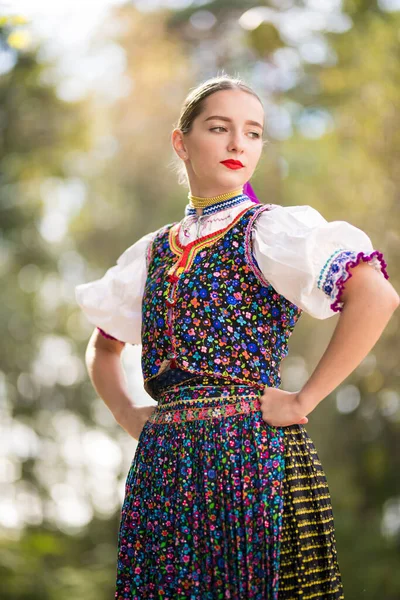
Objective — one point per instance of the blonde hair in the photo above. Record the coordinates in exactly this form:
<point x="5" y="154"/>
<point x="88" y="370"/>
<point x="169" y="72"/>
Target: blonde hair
<point x="193" y="106"/>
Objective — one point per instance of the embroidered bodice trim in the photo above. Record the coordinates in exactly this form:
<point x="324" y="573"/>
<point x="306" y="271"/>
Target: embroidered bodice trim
<point x="188" y="253"/>
<point x="248" y="244"/>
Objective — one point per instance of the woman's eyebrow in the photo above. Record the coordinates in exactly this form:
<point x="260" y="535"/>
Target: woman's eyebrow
<point x="230" y="120"/>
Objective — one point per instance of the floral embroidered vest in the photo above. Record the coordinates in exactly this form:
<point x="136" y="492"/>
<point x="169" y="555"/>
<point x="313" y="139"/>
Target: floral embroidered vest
<point x="208" y="310"/>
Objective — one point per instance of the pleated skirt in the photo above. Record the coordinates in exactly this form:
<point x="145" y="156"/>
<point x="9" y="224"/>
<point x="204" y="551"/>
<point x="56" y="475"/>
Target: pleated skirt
<point x="219" y="504"/>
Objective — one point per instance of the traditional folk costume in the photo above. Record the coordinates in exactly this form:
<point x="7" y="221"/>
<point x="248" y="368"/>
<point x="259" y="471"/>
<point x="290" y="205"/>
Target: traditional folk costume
<point x="218" y="503"/>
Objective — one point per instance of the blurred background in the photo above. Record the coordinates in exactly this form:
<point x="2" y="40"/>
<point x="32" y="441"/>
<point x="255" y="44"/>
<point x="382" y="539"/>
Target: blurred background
<point x="89" y="94"/>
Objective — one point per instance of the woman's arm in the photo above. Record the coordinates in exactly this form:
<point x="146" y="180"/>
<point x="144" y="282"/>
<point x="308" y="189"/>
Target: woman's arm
<point x="103" y="362"/>
<point x="369" y="302"/>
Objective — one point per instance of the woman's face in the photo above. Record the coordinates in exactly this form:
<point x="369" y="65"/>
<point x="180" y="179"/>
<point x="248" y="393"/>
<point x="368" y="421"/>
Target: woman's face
<point x="234" y="132"/>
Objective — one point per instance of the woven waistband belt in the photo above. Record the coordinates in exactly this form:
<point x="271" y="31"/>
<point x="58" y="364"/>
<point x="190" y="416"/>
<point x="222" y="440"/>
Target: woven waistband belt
<point x="190" y="403"/>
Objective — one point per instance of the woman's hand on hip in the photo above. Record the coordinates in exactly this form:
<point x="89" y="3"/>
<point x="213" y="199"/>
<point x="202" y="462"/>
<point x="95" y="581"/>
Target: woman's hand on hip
<point x="135" y="419"/>
<point x="281" y="409"/>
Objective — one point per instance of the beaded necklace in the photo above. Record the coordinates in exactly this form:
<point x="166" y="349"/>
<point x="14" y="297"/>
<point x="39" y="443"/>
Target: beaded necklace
<point x="210" y="210"/>
<point x="201" y="202"/>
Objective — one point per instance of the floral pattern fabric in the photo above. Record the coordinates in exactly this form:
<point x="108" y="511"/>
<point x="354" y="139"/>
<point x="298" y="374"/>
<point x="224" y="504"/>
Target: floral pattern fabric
<point x="219" y="504"/>
<point x="206" y="310"/>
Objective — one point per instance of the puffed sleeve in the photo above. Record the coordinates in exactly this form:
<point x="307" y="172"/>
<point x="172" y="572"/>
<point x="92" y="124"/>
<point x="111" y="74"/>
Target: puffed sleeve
<point x="308" y="259"/>
<point x="114" y="302"/>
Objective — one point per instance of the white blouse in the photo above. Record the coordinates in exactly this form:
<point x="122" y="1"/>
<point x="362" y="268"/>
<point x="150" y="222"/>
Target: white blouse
<point x="297" y="251"/>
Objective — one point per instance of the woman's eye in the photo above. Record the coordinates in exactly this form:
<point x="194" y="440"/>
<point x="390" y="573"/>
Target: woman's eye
<point x="253" y="132"/>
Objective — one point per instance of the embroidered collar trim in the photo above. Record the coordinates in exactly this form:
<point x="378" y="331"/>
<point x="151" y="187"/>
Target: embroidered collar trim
<point x="224" y="204"/>
<point x="187" y="253"/>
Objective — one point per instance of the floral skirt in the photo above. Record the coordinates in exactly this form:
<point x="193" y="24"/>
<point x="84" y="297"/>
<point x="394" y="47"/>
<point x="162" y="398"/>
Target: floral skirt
<point x="219" y="504"/>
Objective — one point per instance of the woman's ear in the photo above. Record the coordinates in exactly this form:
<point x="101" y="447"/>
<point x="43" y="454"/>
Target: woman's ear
<point x="179" y="146"/>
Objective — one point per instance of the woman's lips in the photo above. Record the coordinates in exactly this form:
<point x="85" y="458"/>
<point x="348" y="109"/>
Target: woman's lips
<point x="232" y="164"/>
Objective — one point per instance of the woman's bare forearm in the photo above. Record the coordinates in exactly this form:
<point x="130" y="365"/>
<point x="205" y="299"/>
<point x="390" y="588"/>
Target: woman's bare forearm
<point x="362" y="320"/>
<point x="108" y="378"/>
<point x="103" y="361"/>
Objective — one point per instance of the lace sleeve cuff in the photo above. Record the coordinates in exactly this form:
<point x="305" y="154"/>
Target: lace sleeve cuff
<point x="336" y="271"/>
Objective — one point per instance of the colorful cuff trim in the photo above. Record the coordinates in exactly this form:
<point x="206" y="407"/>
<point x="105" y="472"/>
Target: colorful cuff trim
<point x="336" y="271"/>
<point x="107" y="335"/>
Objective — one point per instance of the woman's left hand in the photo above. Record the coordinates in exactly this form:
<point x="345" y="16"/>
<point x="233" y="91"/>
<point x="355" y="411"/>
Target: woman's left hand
<point x="281" y="409"/>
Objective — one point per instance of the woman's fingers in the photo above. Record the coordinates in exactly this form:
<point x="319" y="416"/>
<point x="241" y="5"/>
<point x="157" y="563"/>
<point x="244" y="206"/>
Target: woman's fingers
<point x="281" y="409"/>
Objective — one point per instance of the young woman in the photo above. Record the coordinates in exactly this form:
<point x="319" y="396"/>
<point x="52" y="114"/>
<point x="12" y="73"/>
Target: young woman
<point x="226" y="496"/>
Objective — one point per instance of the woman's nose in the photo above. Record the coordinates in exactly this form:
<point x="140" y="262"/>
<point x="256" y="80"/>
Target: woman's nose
<point x="236" y="142"/>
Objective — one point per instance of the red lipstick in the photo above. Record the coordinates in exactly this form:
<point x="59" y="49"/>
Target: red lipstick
<point x="232" y="164"/>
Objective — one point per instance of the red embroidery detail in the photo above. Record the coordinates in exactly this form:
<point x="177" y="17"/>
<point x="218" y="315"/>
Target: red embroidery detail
<point x="172" y="278"/>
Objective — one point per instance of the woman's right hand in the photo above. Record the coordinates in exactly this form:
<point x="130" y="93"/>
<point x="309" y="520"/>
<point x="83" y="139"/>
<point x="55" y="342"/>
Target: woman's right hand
<point x="135" y="419"/>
